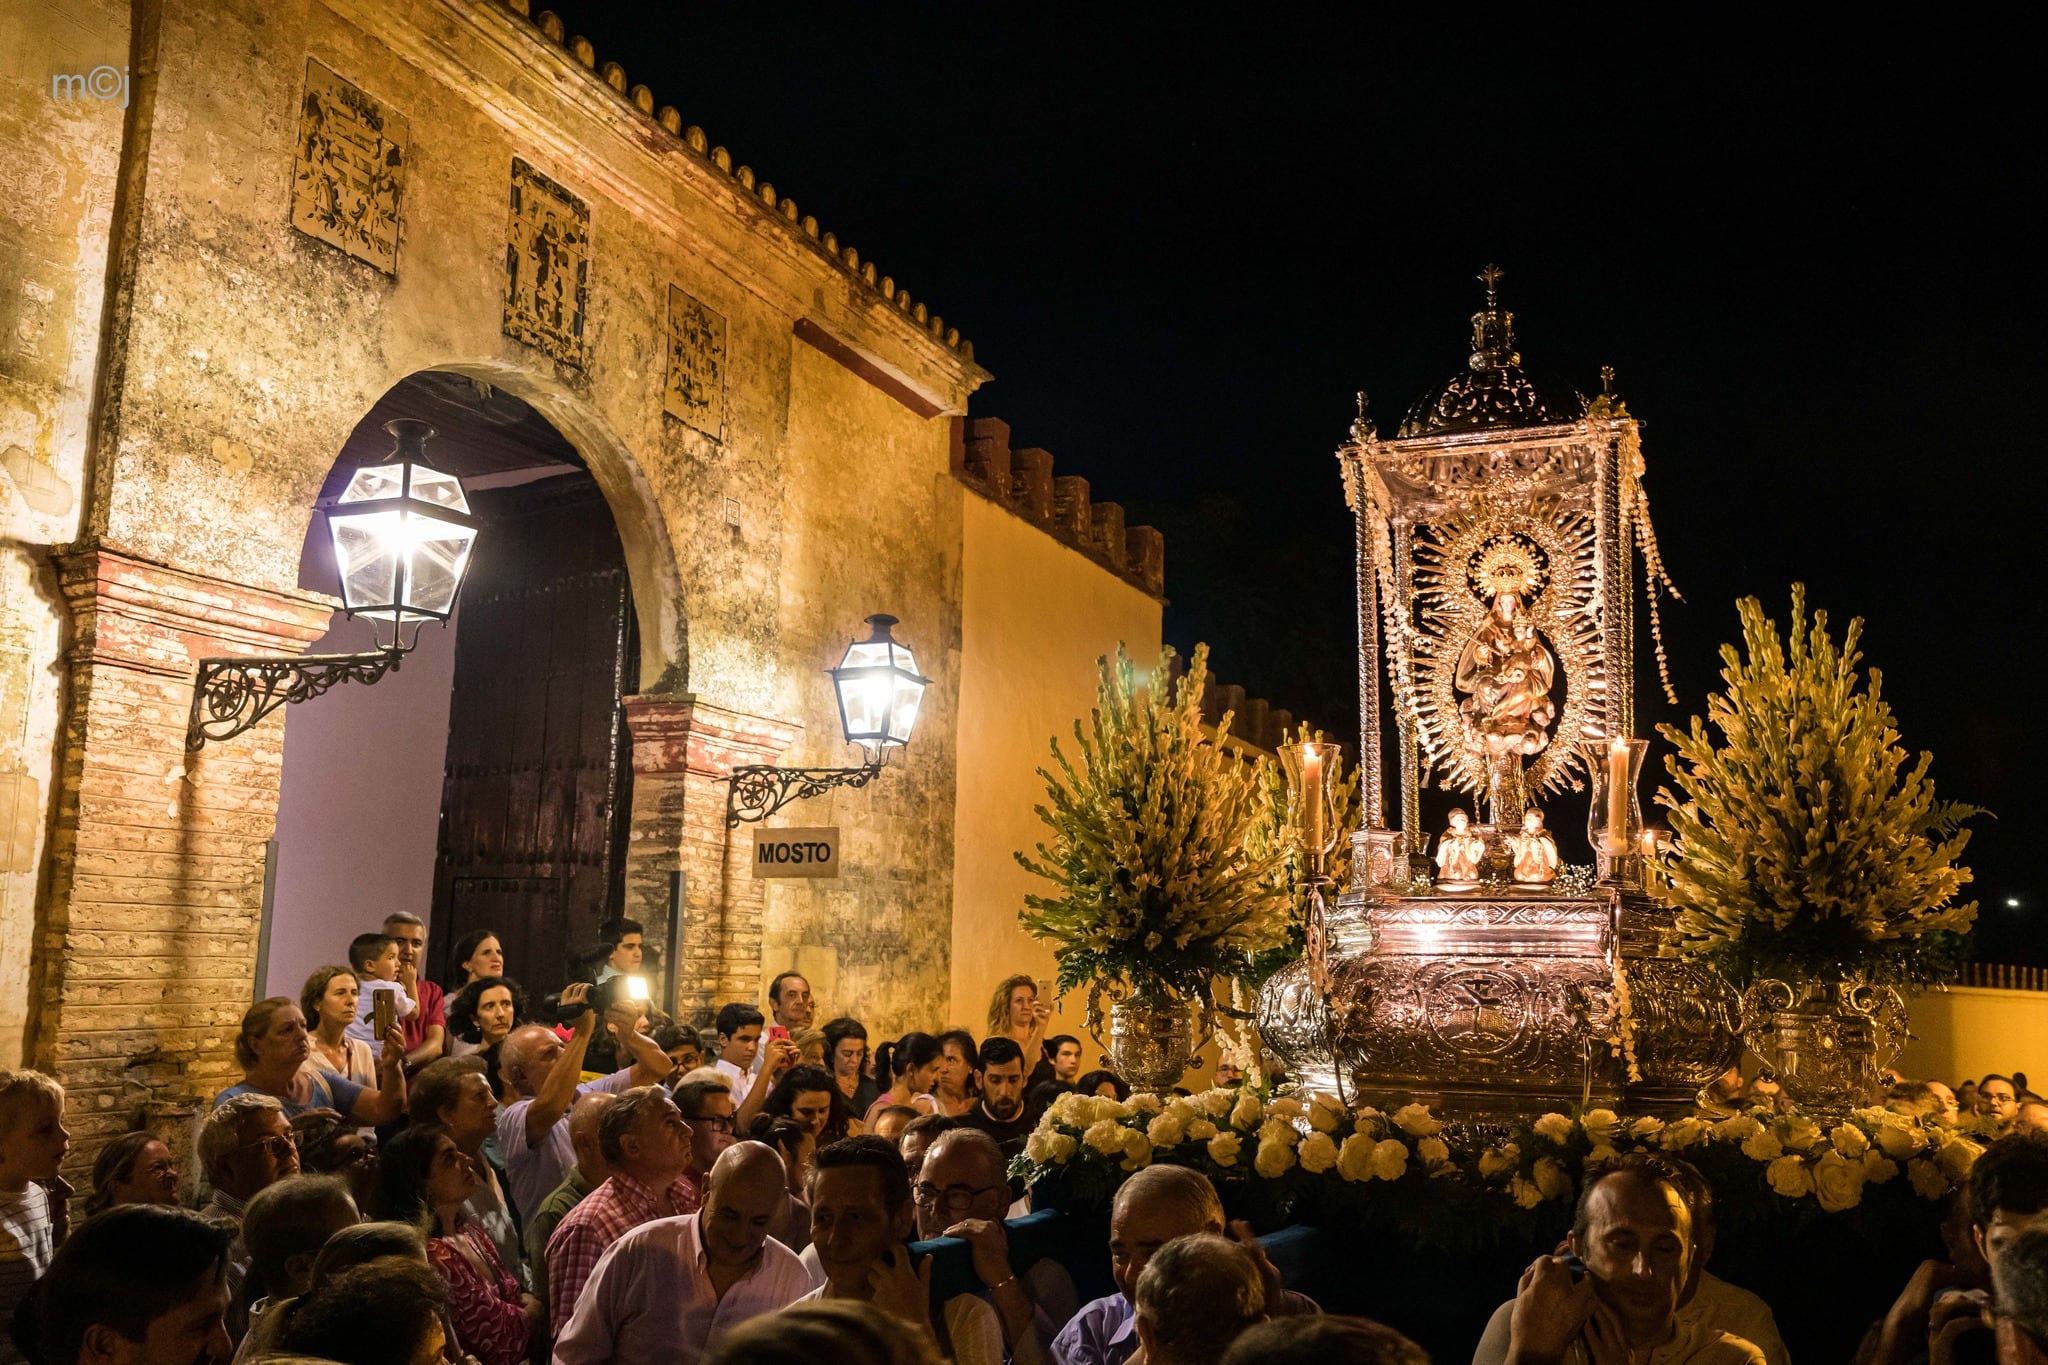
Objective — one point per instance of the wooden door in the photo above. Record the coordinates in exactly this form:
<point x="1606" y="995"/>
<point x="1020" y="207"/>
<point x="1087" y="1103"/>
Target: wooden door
<point x="539" y="779"/>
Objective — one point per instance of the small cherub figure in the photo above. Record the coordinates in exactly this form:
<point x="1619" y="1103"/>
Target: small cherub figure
<point x="1458" y="855"/>
<point x="1535" y="851"/>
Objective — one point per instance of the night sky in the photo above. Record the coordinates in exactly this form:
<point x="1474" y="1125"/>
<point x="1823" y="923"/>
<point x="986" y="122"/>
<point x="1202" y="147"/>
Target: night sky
<point x="1181" y="237"/>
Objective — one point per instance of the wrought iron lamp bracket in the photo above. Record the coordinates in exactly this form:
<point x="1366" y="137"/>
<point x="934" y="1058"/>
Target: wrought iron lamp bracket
<point x="759" y="790"/>
<point x="234" y="695"/>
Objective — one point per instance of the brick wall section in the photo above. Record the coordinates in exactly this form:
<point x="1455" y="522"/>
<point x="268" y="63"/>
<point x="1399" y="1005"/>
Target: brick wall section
<point x="1023" y="481"/>
<point x="149" y="926"/>
<point x="684" y="749"/>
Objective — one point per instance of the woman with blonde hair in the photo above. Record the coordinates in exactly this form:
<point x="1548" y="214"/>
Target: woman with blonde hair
<point x="1014" y="1012"/>
<point x="273" y="1048"/>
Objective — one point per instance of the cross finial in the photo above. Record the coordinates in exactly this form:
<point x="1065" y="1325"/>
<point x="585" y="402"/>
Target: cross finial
<point x="1361" y="403"/>
<point x="1607" y="379"/>
<point x="1490" y="277"/>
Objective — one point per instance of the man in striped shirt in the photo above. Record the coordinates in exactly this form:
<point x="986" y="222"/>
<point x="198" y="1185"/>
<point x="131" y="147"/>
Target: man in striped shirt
<point x="646" y="1144"/>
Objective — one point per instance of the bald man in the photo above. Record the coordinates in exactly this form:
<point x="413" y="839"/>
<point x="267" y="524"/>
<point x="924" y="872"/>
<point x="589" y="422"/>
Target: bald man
<point x="590" y="1171"/>
<point x="668" y="1289"/>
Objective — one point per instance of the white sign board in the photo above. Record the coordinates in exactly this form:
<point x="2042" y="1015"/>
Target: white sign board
<point x="796" y="852"/>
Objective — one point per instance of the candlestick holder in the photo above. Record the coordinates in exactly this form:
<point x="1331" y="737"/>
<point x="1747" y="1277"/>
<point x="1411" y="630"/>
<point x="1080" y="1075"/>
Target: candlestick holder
<point x="1614" y="819"/>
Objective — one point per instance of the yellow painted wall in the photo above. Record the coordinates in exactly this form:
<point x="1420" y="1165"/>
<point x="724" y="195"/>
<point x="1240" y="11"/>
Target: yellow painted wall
<point x="1035" y="615"/>
<point x="1971" y="1031"/>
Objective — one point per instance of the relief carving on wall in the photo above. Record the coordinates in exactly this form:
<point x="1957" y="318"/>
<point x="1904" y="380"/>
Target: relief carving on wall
<point x="547" y="265"/>
<point x="695" y="389"/>
<point x="349" y="169"/>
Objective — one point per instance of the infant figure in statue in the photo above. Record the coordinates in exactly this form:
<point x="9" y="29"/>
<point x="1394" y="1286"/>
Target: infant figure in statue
<point x="1458" y="855"/>
<point x="1535" y="851"/>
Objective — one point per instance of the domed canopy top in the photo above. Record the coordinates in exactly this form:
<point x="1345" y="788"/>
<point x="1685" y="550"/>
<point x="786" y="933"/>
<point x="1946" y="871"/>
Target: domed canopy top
<point x="1493" y="392"/>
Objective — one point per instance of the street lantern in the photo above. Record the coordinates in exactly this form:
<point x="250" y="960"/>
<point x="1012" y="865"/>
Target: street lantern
<point x="403" y="535"/>
<point x="879" y="690"/>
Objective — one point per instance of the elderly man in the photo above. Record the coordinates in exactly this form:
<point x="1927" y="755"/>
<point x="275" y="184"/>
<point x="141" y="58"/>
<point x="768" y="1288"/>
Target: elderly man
<point x="861" y="1219"/>
<point x="1634" y="1235"/>
<point x="586" y="1175"/>
<point x="1152" y="1208"/>
<point x="533" y="1130"/>
<point x="646" y="1145"/>
<point x="1705" y="1302"/>
<point x="963" y="1191"/>
<point x="1197" y="1295"/>
<point x="244" y="1146"/>
<point x="665" y="1290"/>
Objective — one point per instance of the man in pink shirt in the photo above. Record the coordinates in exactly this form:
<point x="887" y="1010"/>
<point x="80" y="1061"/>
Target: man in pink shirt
<point x="668" y="1289"/>
<point x="426" y="1028"/>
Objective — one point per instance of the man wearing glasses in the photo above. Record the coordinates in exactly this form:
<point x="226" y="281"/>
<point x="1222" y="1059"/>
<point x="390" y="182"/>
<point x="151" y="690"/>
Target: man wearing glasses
<point x="244" y="1146"/>
<point x="963" y="1191"/>
<point x="707" y="1108"/>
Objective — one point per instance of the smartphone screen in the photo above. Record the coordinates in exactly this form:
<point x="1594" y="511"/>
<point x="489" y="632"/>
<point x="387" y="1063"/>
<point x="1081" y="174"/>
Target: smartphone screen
<point x="384" y="1013"/>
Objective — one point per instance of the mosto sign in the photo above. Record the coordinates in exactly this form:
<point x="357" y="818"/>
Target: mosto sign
<point x="796" y="852"/>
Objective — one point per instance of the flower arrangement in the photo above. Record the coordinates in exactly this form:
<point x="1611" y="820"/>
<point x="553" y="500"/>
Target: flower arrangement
<point x="1804" y="845"/>
<point x="1312" y="1152"/>
<point x="1156" y="882"/>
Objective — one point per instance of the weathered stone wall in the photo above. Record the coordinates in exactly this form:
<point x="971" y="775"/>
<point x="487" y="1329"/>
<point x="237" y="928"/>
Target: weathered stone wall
<point x="804" y="493"/>
<point x="59" y="164"/>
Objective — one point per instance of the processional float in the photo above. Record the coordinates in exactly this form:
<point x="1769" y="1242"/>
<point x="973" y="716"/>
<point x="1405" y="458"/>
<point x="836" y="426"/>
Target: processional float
<point x="1497" y="538"/>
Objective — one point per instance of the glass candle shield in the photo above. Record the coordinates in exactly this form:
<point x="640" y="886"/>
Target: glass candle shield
<point x="1312" y="795"/>
<point x="1614" y="820"/>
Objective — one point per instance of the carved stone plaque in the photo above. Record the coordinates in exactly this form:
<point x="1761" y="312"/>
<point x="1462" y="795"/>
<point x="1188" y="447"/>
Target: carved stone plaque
<point x="695" y="389"/>
<point x="547" y="265"/>
<point x="349" y="169"/>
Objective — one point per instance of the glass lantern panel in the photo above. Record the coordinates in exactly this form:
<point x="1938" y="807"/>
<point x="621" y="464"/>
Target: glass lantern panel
<point x="436" y="553"/>
<point x="365" y="558"/>
<point x="375" y="481"/>
<point x="438" y="489"/>
<point x="864" y="703"/>
<point x="906" y="696"/>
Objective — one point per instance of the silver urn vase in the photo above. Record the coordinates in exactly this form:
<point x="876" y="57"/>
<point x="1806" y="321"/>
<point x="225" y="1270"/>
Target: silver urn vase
<point x="1151" y="1038"/>
<point x="1827" y="1041"/>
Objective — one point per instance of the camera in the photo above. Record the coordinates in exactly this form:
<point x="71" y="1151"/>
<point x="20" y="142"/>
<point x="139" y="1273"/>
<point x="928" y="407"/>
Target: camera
<point x="602" y="997"/>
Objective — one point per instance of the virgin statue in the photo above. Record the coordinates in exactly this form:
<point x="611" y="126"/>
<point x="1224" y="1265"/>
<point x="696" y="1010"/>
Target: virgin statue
<point x="1506" y="672"/>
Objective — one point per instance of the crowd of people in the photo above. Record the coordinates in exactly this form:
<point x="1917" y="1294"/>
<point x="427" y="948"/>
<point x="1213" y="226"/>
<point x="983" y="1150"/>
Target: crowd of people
<point x="405" y="1174"/>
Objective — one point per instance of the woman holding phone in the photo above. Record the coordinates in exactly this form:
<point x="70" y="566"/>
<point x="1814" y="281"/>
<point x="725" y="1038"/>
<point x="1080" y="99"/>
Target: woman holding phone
<point x="329" y="1004"/>
<point x="1016" y="1013"/>
<point x="273" y="1048"/>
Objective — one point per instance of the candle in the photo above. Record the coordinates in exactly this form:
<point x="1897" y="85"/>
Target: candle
<point x="1649" y="843"/>
<point x="1312" y="802"/>
<point x="1617" y="797"/>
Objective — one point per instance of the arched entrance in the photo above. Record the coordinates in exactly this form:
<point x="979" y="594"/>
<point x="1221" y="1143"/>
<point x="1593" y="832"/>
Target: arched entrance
<point x="487" y="784"/>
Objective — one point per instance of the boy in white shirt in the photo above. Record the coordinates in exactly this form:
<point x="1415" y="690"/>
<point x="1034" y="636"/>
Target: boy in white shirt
<point x="374" y="958"/>
<point x="33" y="1141"/>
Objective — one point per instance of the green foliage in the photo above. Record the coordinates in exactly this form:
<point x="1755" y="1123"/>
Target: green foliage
<point x="1155" y="880"/>
<point x="1805" y="845"/>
